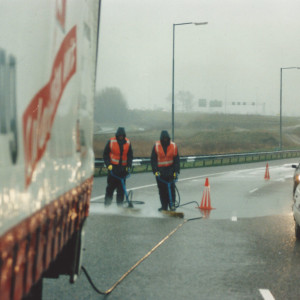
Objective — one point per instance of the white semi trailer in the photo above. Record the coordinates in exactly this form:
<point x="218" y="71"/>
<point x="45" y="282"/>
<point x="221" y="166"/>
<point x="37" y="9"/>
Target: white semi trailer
<point x="48" y="53"/>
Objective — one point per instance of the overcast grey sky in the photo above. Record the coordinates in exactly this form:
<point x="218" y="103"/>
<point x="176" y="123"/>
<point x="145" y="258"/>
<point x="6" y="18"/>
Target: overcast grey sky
<point x="236" y="57"/>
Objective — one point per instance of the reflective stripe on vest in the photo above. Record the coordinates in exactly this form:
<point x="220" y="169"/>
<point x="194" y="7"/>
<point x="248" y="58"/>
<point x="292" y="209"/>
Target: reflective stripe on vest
<point x="114" y="154"/>
<point x="165" y="159"/>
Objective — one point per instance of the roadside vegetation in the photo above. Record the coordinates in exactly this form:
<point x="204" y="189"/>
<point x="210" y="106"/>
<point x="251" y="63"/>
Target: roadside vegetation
<point x="195" y="133"/>
<point x="201" y="134"/>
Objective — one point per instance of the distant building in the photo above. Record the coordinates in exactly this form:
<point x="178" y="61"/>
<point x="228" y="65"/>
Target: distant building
<point x="215" y="103"/>
<point x="202" y="103"/>
<point x="232" y="107"/>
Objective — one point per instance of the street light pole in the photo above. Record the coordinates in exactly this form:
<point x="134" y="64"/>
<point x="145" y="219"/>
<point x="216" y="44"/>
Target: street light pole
<point x="280" y="141"/>
<point x="173" y="68"/>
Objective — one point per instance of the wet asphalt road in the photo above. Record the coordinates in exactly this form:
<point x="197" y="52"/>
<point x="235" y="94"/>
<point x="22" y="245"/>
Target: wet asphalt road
<point x="246" y="244"/>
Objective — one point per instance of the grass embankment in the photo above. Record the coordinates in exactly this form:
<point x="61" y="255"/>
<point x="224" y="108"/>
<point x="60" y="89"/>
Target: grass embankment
<point x="204" y="134"/>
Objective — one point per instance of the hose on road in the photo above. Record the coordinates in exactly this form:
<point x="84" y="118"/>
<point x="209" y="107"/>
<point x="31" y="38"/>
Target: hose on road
<point x="137" y="263"/>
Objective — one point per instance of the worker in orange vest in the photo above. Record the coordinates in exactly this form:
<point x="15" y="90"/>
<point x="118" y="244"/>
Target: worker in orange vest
<point x="117" y="157"/>
<point x="166" y="167"/>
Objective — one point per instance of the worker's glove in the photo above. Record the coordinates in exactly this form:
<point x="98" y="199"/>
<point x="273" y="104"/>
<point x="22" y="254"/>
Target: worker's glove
<point x="109" y="168"/>
<point x="175" y="175"/>
<point x="157" y="174"/>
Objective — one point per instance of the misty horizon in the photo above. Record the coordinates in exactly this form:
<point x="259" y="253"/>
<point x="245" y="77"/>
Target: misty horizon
<point x="237" y="56"/>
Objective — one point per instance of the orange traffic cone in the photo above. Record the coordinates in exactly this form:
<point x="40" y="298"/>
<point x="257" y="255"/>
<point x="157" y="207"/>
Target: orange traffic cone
<point x="267" y="174"/>
<point x="206" y="203"/>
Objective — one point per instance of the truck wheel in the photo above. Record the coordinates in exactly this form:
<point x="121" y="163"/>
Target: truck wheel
<point x="297" y="231"/>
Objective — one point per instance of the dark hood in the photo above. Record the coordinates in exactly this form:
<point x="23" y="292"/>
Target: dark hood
<point x="164" y="134"/>
<point x="120" y="131"/>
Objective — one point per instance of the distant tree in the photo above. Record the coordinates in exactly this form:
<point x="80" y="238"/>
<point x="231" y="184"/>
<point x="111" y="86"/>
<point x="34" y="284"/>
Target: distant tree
<point x="183" y="100"/>
<point x="110" y="105"/>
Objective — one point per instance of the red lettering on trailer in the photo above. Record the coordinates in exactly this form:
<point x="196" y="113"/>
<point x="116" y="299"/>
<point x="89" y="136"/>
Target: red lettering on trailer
<point x="39" y="115"/>
<point x="61" y="12"/>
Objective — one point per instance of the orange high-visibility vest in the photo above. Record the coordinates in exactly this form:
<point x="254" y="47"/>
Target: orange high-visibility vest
<point x="114" y="154"/>
<point x="165" y="159"/>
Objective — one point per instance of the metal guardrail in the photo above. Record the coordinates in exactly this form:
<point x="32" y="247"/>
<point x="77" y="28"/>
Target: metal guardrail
<point x="144" y="165"/>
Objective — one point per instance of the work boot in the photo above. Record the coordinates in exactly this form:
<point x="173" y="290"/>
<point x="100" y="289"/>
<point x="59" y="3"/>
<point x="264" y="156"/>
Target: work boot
<point x="107" y="201"/>
<point x="160" y="209"/>
<point x="172" y="208"/>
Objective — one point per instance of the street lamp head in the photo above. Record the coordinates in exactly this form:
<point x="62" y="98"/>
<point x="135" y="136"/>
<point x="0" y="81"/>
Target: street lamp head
<point x="173" y="67"/>
<point x="200" y="23"/>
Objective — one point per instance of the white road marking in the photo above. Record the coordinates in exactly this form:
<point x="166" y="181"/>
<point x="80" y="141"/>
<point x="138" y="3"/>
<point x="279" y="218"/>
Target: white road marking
<point x="154" y="184"/>
<point x="184" y="179"/>
<point x="254" y="190"/>
<point x="266" y="294"/>
<point x="202" y="176"/>
<point x="96" y="198"/>
<point x="131" y="189"/>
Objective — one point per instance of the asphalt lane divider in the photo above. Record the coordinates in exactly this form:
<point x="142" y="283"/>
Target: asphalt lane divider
<point x="137" y="263"/>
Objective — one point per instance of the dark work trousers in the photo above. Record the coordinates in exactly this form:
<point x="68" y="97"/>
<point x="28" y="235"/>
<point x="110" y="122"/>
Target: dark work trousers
<point x="112" y="184"/>
<point x="164" y="193"/>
